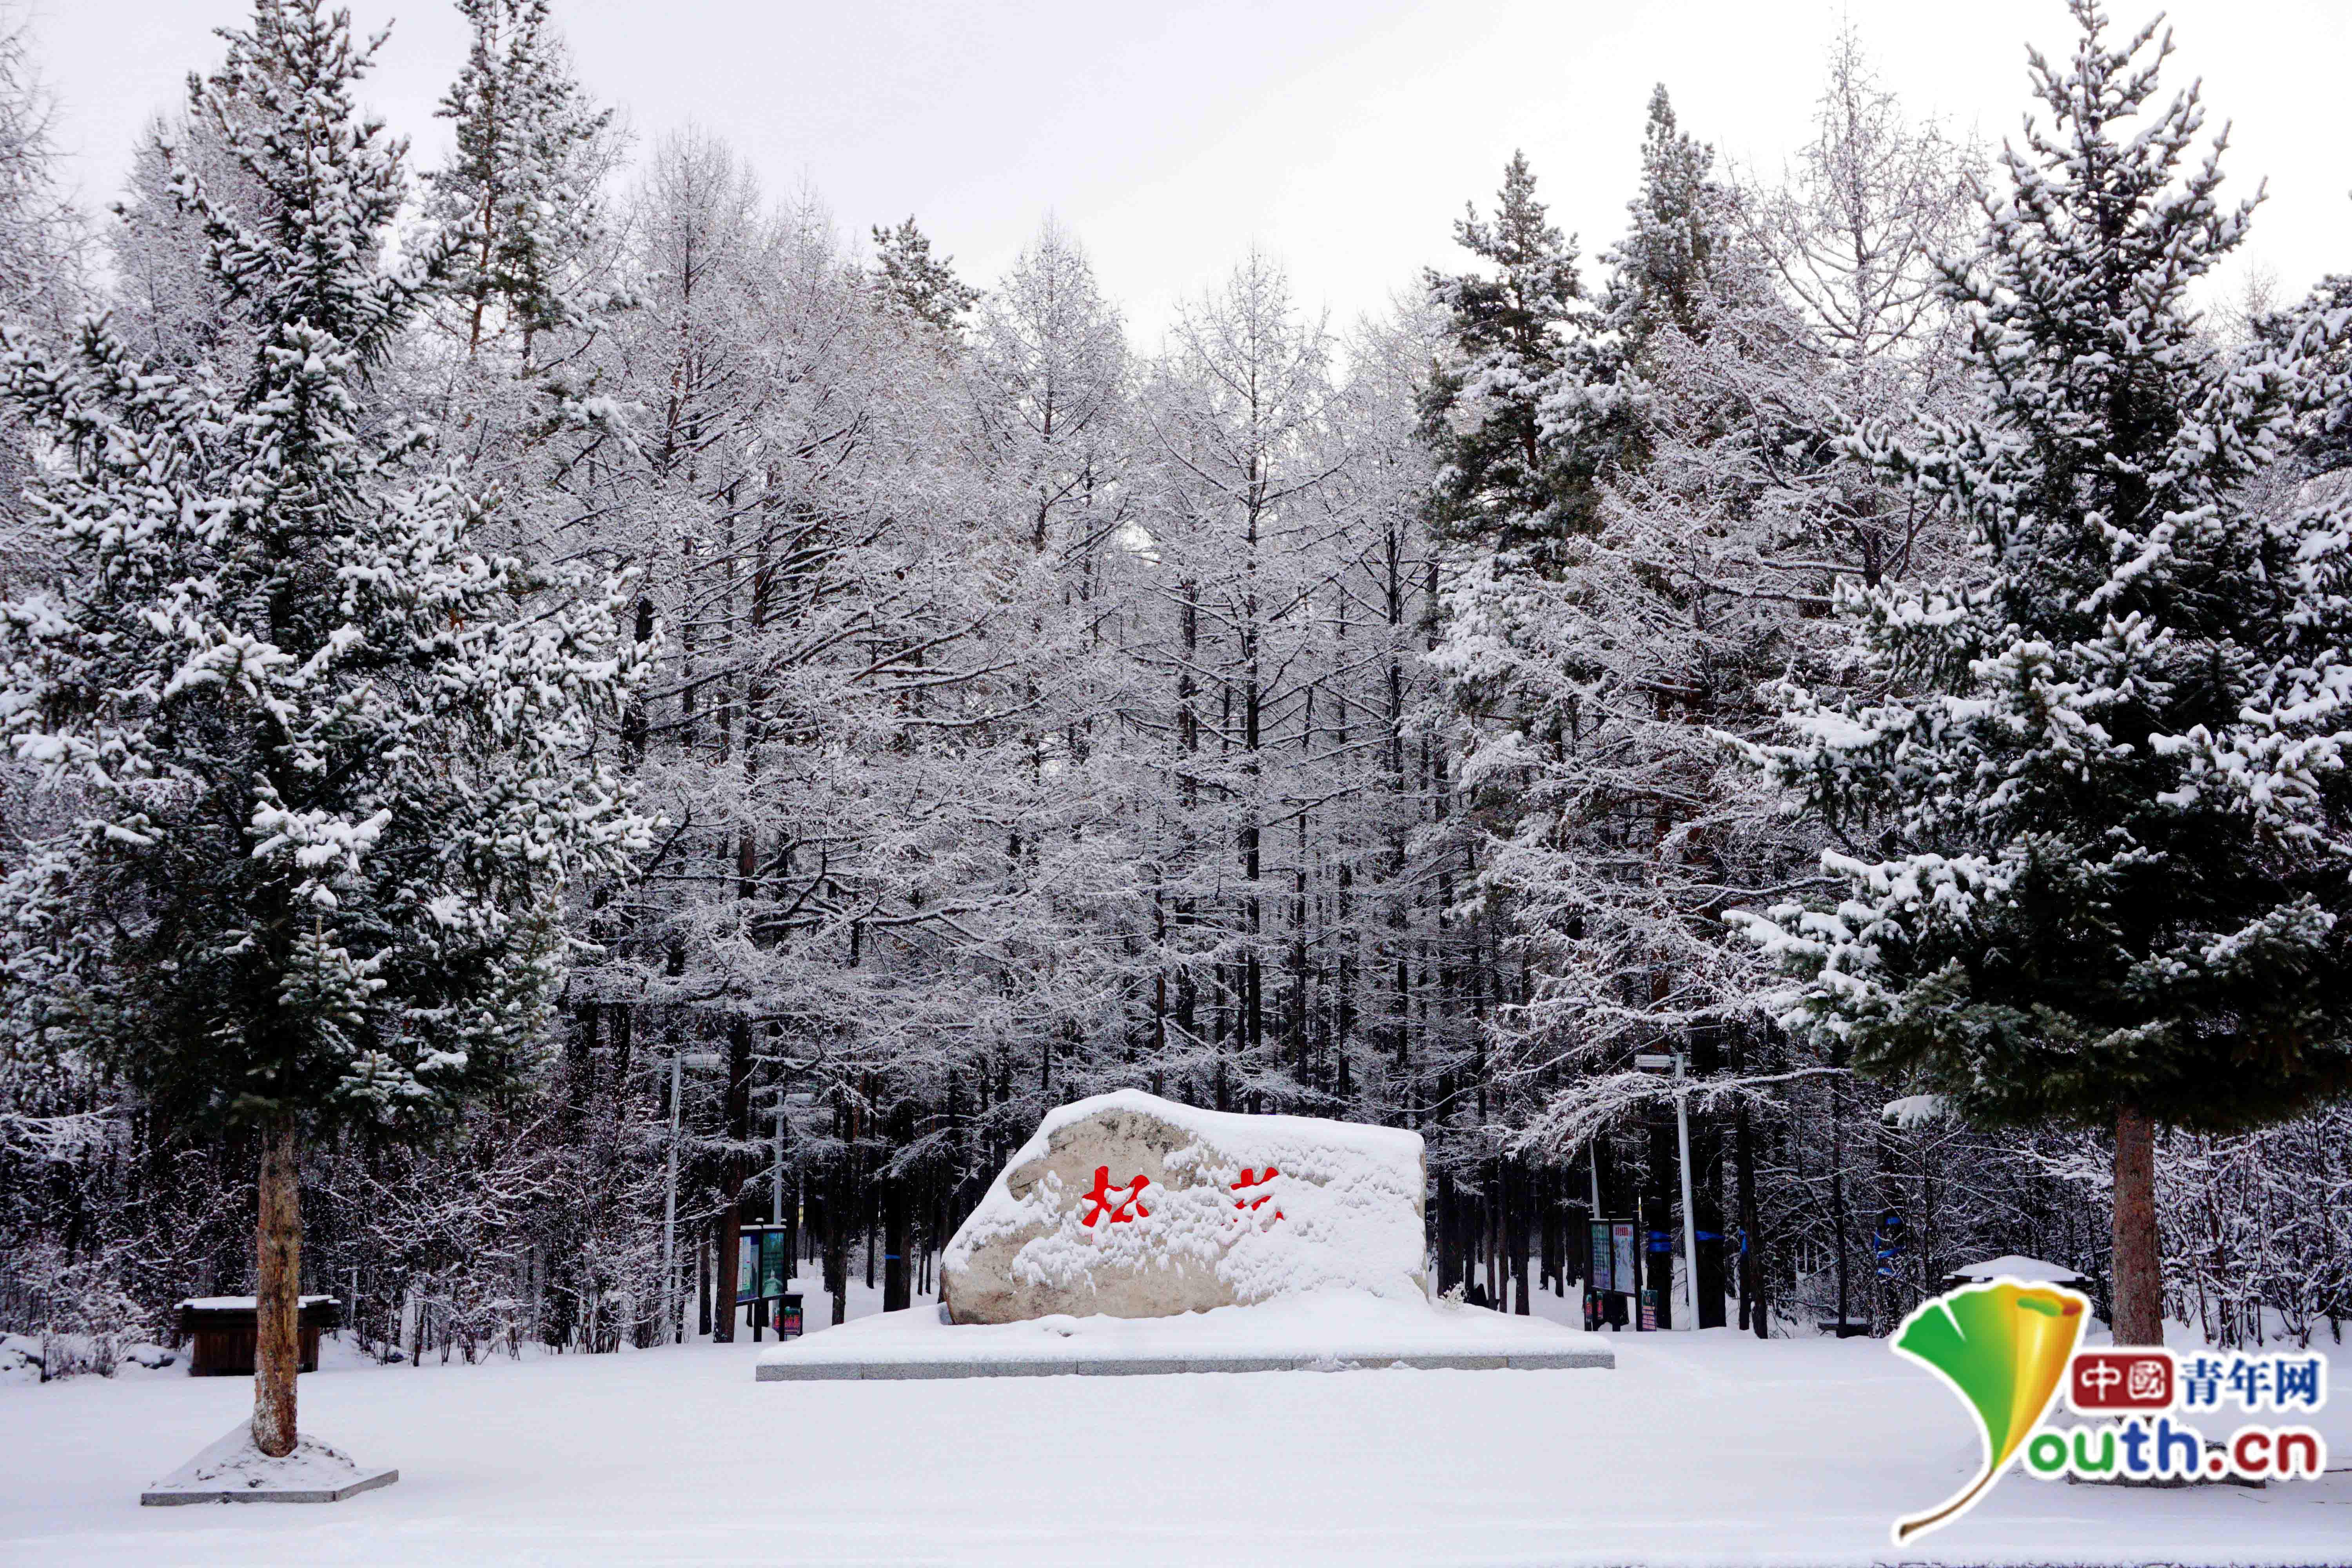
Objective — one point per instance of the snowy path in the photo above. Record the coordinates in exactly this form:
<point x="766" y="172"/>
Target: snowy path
<point x="1699" y="1448"/>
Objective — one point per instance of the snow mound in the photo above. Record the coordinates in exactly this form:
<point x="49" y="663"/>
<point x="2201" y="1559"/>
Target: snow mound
<point x="1127" y="1206"/>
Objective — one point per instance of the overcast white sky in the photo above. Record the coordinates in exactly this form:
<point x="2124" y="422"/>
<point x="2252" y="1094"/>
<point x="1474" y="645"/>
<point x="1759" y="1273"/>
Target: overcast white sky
<point x="1343" y="135"/>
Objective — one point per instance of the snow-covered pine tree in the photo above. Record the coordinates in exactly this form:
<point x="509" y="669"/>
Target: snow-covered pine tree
<point x="1509" y="328"/>
<point x="913" y="280"/>
<point x="2094" y="837"/>
<point x="1662" y="272"/>
<point x="520" y="197"/>
<point x="327" y="766"/>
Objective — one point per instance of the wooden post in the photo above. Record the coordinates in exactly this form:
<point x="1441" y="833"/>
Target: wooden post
<point x="278" y="1294"/>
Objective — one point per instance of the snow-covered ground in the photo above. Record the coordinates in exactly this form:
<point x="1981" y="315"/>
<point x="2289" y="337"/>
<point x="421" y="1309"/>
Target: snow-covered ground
<point x="1709" y="1448"/>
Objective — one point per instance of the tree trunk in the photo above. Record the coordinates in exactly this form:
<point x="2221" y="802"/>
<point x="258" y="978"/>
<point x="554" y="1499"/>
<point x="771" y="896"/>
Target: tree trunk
<point x="1837" y="1194"/>
<point x="702" y="1250"/>
<point x="836" y="1241"/>
<point x="2139" y="1278"/>
<point x="729" y="1267"/>
<point x="896" y="1296"/>
<point x="1752" y="1314"/>
<point x="1449" y="1267"/>
<point x="1656" y="1231"/>
<point x="731" y="1177"/>
<point x="278" y="1295"/>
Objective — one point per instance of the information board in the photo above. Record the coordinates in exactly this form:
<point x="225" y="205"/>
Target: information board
<point x="1620" y="1255"/>
<point x="762" y="1266"/>
<point x="773" y="1267"/>
<point x="1597" y="1275"/>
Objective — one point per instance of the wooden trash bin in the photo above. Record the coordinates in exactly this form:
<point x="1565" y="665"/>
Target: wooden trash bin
<point x="220" y="1331"/>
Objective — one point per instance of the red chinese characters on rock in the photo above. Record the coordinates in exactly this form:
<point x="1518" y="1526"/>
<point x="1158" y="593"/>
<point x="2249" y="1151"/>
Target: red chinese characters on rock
<point x="1116" y="1205"/>
<point x="1251" y="1178"/>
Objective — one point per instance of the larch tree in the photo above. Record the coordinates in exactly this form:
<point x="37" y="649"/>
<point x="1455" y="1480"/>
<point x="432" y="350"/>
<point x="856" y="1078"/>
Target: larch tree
<point x="327" y="764"/>
<point x="42" y="246"/>
<point x="1234" y="413"/>
<point x="2095" y="834"/>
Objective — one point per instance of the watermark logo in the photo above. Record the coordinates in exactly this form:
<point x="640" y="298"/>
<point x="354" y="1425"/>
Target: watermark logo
<point x="2003" y="1348"/>
<point x="2010" y="1351"/>
<point x="2103" y="1381"/>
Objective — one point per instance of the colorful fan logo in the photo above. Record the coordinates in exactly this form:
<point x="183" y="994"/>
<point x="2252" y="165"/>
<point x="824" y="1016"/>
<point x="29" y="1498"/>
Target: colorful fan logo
<point x="2003" y="1348"/>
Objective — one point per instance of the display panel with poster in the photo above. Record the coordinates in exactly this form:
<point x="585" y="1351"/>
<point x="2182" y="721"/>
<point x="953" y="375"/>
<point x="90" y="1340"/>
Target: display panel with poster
<point x="772" y="1264"/>
<point x="1621" y="1254"/>
<point x="1599" y="1275"/>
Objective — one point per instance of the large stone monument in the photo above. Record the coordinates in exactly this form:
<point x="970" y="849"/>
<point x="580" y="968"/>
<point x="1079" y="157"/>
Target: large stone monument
<point x="1134" y="1206"/>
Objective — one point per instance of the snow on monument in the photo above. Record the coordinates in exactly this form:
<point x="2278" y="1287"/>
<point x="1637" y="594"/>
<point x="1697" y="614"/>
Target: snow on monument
<point x="1129" y="1205"/>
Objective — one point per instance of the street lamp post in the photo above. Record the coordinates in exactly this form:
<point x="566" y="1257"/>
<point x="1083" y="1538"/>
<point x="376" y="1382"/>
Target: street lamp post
<point x="1682" y="1135"/>
<point x="673" y="1306"/>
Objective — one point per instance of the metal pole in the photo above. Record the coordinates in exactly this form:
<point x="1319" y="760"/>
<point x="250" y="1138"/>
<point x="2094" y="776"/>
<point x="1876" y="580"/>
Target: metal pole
<point x="776" y="1187"/>
<point x="1592" y="1302"/>
<point x="1690" y="1226"/>
<point x="669" y="1204"/>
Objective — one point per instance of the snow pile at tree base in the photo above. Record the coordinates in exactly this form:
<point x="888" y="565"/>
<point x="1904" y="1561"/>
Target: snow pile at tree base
<point x="1331" y="1330"/>
<point x="1129" y="1206"/>
<point x="233" y="1471"/>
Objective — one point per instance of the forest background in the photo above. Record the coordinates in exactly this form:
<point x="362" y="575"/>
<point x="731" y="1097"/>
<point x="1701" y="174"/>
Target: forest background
<point x="1335" y="719"/>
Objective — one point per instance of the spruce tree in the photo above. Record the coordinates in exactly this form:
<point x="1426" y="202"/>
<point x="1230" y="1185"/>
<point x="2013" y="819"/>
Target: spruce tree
<point x="326" y="766"/>
<point x="2316" y="337"/>
<point x="2094" y="836"/>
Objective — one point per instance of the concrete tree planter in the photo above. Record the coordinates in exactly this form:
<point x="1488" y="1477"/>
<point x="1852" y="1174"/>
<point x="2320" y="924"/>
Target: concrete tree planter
<point x="233" y="1471"/>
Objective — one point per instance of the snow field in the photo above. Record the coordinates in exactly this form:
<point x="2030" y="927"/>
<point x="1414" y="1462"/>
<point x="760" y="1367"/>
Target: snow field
<point x="1699" y="1448"/>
